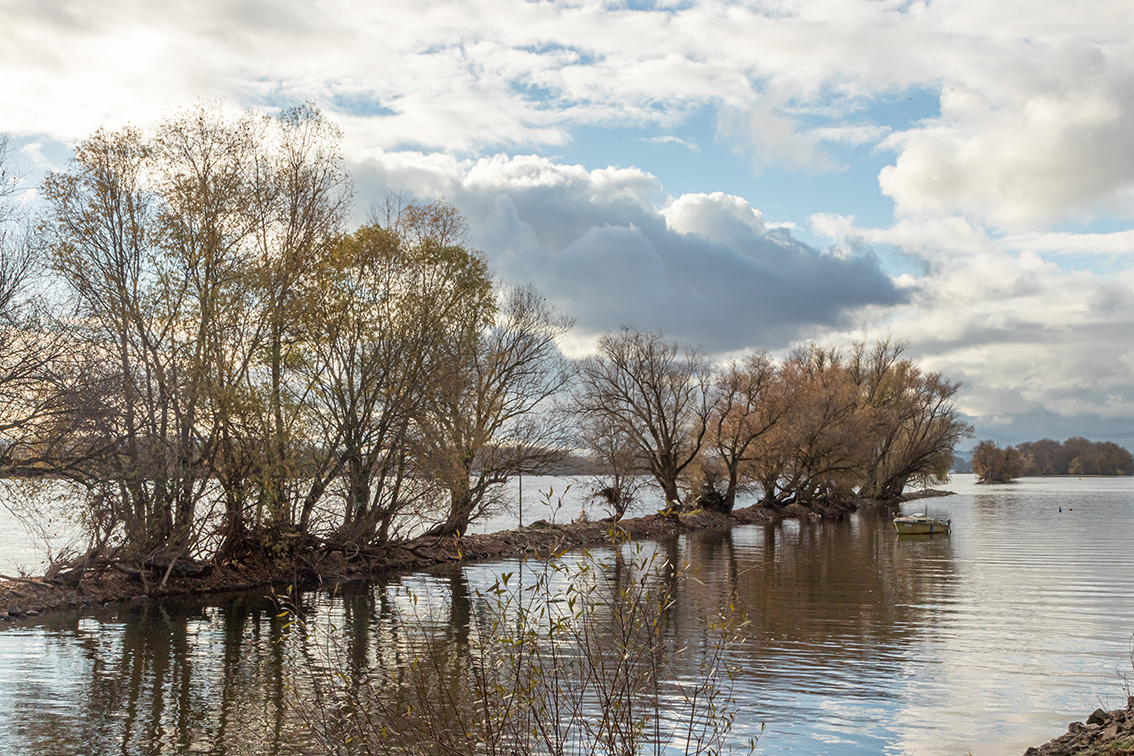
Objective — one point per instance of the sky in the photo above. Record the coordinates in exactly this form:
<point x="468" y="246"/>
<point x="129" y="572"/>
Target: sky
<point x="958" y="174"/>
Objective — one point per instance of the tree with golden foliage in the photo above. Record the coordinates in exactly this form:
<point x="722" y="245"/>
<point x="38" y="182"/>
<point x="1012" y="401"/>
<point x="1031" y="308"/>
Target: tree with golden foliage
<point x="911" y="417"/>
<point x="748" y="403"/>
<point x="993" y="464"/>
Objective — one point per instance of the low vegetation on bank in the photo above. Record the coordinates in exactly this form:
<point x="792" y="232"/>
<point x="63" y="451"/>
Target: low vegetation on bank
<point x="200" y="363"/>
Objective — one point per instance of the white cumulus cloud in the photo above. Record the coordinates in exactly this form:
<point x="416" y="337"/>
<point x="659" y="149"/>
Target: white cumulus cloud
<point x="610" y="249"/>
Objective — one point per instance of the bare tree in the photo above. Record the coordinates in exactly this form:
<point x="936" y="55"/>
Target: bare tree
<point x="17" y="251"/>
<point x="747" y="404"/>
<point x="483" y="421"/>
<point x="34" y="346"/>
<point x="654" y="394"/>
<point x="618" y="458"/>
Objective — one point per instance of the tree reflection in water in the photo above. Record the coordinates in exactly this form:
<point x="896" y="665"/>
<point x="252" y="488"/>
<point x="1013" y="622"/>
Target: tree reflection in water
<point x="828" y="604"/>
<point x="574" y="654"/>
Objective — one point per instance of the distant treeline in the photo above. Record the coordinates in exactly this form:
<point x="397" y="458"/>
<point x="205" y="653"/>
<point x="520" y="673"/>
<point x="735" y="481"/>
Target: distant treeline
<point x="202" y="359"/>
<point x="1075" y="456"/>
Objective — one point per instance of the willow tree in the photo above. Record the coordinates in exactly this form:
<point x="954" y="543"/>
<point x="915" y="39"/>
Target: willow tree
<point x="103" y="241"/>
<point x="748" y="403"/>
<point x="819" y="453"/>
<point x="300" y="201"/>
<point x="993" y="464"/>
<point x="174" y="247"/>
<point x="911" y="420"/>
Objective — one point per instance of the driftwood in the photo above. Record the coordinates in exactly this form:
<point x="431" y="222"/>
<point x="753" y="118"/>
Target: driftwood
<point x="29" y="581"/>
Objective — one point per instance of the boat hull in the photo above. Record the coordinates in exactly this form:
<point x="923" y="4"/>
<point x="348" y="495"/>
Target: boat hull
<point x="920" y="526"/>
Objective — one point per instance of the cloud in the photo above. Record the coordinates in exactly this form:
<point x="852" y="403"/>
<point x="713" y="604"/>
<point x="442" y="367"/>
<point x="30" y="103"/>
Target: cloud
<point x="1035" y="99"/>
<point x="1117" y="244"/>
<point x="1036" y="423"/>
<point x="852" y="134"/>
<point x="1025" y="145"/>
<point x="772" y="139"/>
<point x="669" y="139"/>
<point x="610" y="249"/>
<point x="1027" y="338"/>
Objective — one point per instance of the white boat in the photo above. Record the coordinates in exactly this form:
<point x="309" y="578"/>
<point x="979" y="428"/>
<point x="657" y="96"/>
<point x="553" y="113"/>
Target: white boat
<point x="920" y="524"/>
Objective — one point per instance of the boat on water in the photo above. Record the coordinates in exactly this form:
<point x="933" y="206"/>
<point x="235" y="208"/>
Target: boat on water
<point x="920" y="524"/>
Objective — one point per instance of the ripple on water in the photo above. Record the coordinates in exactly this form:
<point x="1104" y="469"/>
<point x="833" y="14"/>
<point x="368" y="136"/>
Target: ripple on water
<point x="989" y="640"/>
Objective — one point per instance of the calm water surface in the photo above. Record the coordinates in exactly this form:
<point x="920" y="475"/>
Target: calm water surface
<point x="987" y="641"/>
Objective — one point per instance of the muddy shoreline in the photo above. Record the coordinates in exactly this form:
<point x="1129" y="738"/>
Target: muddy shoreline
<point x="29" y="597"/>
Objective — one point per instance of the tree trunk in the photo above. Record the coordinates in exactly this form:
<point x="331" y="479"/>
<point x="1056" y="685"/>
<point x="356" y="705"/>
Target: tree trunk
<point x="730" y="493"/>
<point x="460" y="512"/>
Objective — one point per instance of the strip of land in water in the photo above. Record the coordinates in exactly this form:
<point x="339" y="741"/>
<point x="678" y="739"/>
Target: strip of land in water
<point x="28" y="597"/>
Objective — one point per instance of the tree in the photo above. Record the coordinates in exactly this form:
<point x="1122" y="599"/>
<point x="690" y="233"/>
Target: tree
<point x="912" y="421"/>
<point x="18" y="255"/>
<point x="299" y="204"/>
<point x="379" y="312"/>
<point x="102" y="241"/>
<point x="483" y="421"/>
<point x="183" y="253"/>
<point x="1075" y="456"/>
<point x="824" y="429"/>
<point x="204" y="172"/>
<point x="33" y="345"/>
<point x="254" y="202"/>
<point x="747" y="405"/>
<point x="1042" y="457"/>
<point x="654" y="394"/>
<point x="619" y="459"/>
<point x="995" y="465"/>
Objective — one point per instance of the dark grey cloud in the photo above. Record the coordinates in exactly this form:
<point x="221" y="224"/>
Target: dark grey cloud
<point x="599" y="245"/>
<point x="1039" y="423"/>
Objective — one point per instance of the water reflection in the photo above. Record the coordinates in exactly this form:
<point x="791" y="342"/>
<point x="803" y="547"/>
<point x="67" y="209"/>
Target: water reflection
<point x="160" y="679"/>
<point x="988" y="640"/>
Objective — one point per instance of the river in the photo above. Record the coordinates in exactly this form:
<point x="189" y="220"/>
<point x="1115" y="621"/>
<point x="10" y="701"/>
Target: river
<point x="986" y="641"/>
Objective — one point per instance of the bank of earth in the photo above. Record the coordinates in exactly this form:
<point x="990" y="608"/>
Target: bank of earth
<point x="318" y="566"/>
<point x="1105" y="733"/>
